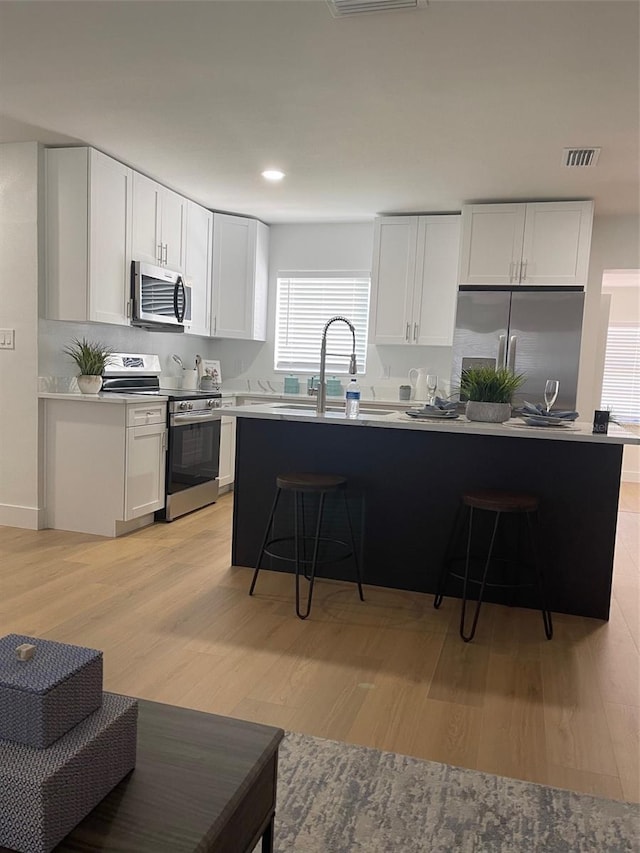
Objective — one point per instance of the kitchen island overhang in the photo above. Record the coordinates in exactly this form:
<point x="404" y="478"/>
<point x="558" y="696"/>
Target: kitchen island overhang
<point x="408" y="478"/>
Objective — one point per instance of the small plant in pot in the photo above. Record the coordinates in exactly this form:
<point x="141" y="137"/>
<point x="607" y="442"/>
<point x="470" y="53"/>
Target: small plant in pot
<point x="489" y="392"/>
<point x="91" y="358"/>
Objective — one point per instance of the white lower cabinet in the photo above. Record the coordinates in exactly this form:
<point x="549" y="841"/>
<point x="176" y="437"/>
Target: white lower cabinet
<point x="144" y="470"/>
<point x="104" y="464"/>
<point x="227" y="451"/>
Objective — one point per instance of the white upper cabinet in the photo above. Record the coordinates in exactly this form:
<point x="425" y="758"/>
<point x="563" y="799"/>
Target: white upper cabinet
<point x="239" y="281"/>
<point x="537" y="243"/>
<point x="147" y="220"/>
<point x="393" y="278"/>
<point x="436" y="291"/>
<point x="415" y="262"/>
<point x="159" y="224"/>
<point x="557" y="243"/>
<point x="87" y="236"/>
<point x="198" y="267"/>
<point x="174" y="230"/>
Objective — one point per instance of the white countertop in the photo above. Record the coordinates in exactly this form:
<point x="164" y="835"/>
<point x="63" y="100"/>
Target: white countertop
<point x="310" y="399"/>
<point x="109" y="397"/>
<point x="515" y="428"/>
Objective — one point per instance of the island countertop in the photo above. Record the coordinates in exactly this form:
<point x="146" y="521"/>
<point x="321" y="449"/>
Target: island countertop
<point x="579" y="431"/>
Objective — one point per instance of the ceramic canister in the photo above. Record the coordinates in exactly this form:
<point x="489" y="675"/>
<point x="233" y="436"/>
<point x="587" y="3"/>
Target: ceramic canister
<point x="291" y="385"/>
<point x="189" y="379"/>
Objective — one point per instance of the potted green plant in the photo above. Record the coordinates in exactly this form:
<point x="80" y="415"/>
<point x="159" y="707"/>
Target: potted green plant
<point x="489" y="392"/>
<point x="91" y="358"/>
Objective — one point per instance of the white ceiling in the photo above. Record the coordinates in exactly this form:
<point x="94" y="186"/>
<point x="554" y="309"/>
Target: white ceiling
<point x="411" y="111"/>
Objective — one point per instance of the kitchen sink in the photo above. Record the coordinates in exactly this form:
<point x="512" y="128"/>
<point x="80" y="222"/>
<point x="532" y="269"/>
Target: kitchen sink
<point x="333" y="409"/>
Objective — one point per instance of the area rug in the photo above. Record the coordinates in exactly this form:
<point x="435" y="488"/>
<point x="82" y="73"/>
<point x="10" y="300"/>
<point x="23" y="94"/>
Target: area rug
<point x="338" y="798"/>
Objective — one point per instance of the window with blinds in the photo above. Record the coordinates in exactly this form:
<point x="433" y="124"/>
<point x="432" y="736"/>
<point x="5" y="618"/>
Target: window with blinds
<point x="305" y="301"/>
<point x="621" y="381"/>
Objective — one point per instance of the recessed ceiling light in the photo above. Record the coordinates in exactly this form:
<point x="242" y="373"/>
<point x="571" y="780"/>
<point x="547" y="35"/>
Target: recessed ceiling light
<point x="273" y="174"/>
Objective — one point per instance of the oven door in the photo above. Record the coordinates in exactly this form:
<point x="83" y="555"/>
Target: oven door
<point x="194" y="450"/>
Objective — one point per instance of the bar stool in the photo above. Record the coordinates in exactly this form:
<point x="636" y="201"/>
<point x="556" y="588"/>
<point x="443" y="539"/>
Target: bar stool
<point x="299" y="485"/>
<point x="523" y="508"/>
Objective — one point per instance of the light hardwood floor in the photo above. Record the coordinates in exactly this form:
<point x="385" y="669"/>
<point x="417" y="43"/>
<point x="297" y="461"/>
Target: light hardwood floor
<point x="176" y="625"/>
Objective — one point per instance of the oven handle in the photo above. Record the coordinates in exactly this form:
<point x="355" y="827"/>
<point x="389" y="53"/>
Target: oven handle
<point x="195" y="417"/>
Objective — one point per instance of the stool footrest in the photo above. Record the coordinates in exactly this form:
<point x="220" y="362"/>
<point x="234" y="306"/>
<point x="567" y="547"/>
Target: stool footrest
<point x="268" y="549"/>
<point x="491" y="585"/>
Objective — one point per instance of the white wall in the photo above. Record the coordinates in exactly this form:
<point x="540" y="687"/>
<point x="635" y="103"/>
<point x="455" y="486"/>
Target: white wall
<point x="615" y="245"/>
<point x="623" y="294"/>
<point x="325" y="247"/>
<point x="19" y="270"/>
<point x="54" y="335"/>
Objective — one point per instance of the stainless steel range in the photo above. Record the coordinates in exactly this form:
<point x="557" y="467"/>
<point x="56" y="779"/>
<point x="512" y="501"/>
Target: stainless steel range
<point x="193" y="421"/>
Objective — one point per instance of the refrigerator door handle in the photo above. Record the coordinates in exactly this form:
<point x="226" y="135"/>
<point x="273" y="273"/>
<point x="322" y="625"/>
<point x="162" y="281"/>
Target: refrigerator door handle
<point x="502" y="350"/>
<point x="513" y="340"/>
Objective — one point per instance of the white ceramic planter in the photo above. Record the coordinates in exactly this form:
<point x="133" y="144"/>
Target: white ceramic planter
<point x="89" y="384"/>
<point x="491" y="413"/>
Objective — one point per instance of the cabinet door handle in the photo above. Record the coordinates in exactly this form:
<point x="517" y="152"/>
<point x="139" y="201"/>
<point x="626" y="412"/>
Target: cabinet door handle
<point x="502" y="350"/>
<point x="511" y="364"/>
<point x="160" y="253"/>
<point x="407" y="333"/>
<point x="166" y="252"/>
<point x="523" y="271"/>
<point x="415" y="332"/>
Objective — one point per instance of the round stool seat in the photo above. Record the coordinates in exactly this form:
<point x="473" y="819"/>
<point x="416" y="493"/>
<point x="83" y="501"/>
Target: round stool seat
<point x="303" y="482"/>
<point x="497" y="501"/>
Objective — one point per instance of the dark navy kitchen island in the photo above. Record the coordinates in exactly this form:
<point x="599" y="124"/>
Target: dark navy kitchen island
<point x="411" y="476"/>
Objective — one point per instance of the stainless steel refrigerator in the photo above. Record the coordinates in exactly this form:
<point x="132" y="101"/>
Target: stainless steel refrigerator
<point x="534" y="331"/>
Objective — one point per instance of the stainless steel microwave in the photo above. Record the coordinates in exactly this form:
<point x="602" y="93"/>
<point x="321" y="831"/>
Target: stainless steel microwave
<point x="161" y="299"/>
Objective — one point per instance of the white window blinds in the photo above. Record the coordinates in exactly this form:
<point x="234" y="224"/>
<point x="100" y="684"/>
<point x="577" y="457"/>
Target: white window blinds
<point x="305" y="301"/>
<point x="621" y="381"/>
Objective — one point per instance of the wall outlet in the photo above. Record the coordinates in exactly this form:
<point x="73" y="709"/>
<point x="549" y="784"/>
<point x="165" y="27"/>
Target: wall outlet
<point x="7" y="338"/>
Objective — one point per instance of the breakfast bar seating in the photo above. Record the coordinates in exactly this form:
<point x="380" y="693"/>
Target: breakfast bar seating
<point x="333" y="550"/>
<point x="411" y="476"/>
<point x="522" y="508"/>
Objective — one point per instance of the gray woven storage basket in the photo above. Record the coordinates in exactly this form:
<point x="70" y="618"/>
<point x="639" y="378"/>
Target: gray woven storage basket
<point x="45" y="793"/>
<point x="43" y="698"/>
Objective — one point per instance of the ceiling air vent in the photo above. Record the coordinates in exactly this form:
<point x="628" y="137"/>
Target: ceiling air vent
<point x="344" y="8"/>
<point x="580" y="157"/>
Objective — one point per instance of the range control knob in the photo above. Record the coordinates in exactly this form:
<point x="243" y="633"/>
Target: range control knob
<point x="183" y="406"/>
<point x="189" y="406"/>
<point x="211" y="404"/>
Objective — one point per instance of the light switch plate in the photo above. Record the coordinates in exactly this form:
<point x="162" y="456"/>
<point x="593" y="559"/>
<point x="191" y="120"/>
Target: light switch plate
<point x="7" y="338"/>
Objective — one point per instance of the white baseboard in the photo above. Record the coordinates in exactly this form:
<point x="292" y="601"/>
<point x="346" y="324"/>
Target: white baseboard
<point x="27" y="517"/>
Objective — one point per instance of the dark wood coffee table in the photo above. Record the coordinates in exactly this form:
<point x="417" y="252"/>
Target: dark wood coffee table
<point x="201" y="783"/>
